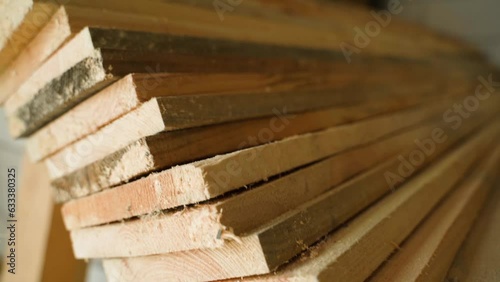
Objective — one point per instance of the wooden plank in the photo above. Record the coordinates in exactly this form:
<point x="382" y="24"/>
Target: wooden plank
<point x="46" y="41"/>
<point x="479" y="257"/>
<point x="135" y="89"/>
<point x="429" y="252"/>
<point x="161" y="151"/>
<point x="269" y="247"/>
<point x="318" y="16"/>
<point x="13" y="14"/>
<point x="79" y="18"/>
<point x="37" y="214"/>
<point x="343" y="256"/>
<point x="59" y="264"/>
<point x="186" y="20"/>
<point x="161" y="115"/>
<point x="253" y="165"/>
<point x="213" y="177"/>
<point x="123" y="52"/>
<point x="75" y="50"/>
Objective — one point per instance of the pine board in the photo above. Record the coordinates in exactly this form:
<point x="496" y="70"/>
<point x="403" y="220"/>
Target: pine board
<point x="290" y="234"/>
<point x="134" y="90"/>
<point x="149" y="196"/>
<point x="429" y="252"/>
<point x="479" y="256"/>
<point x="159" y="151"/>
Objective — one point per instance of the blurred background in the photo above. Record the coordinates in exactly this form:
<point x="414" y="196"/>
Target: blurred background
<point x="474" y="21"/>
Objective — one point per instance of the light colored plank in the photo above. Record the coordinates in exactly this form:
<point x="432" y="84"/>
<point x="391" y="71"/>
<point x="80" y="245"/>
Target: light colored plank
<point x="135" y="89"/>
<point x="277" y="33"/>
<point x="166" y="53"/>
<point x="161" y="115"/>
<point x="46" y="41"/>
<point x="429" y="252"/>
<point x="353" y="253"/>
<point x="247" y="167"/>
<point x="42" y="244"/>
<point x="154" y="153"/>
<point x="479" y="257"/>
<point x="271" y="246"/>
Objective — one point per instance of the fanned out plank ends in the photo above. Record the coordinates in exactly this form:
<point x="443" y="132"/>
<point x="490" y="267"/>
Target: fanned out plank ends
<point x="136" y="89"/>
<point x="159" y="116"/>
<point x="104" y="54"/>
<point x="429" y="252"/>
<point x="47" y="26"/>
<point x="272" y="245"/>
<point x="479" y="257"/>
<point x="42" y="31"/>
<point x="197" y="228"/>
<point x="147" y="43"/>
<point x="207" y="179"/>
<point x="165" y="150"/>
<point x="213" y="179"/>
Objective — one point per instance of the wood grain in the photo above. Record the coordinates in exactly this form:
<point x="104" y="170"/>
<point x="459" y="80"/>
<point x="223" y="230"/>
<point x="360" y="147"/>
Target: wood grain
<point x="429" y="252"/>
<point x="246" y="167"/>
<point x="77" y="48"/>
<point x="161" y="151"/>
<point x="343" y="256"/>
<point x="124" y="52"/>
<point x="161" y="115"/>
<point x="135" y="89"/>
<point x="293" y="232"/>
<point x="478" y="258"/>
<point x="279" y="38"/>
<point x="44" y="43"/>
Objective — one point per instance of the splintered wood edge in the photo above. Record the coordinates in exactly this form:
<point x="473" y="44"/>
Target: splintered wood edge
<point x="188" y="184"/>
<point x="137" y="265"/>
<point x="250" y="259"/>
<point x="331" y="254"/>
<point x="203" y="230"/>
<point x="58" y="160"/>
<point x="146" y="120"/>
<point x="84" y="119"/>
<point x="75" y="212"/>
<point x="182" y="224"/>
<point x="96" y="176"/>
<point x="118" y="266"/>
<point x="78" y="47"/>
<point x="80" y="177"/>
<point x="87" y="117"/>
<point x="73" y="86"/>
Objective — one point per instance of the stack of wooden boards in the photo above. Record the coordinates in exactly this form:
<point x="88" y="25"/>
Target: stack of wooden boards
<point x="196" y="141"/>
